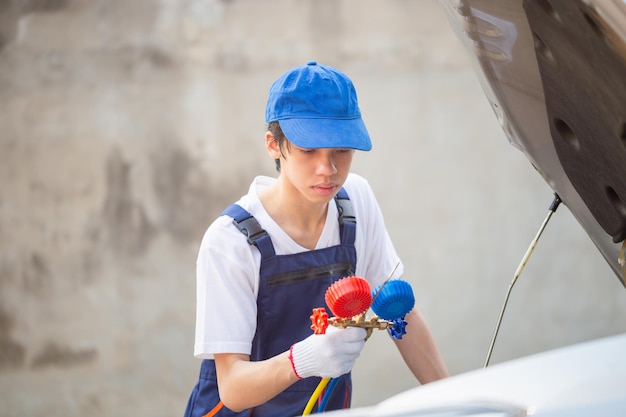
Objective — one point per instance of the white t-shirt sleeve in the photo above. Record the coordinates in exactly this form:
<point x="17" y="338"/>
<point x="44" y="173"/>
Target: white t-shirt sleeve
<point x="376" y="255"/>
<point x="227" y="285"/>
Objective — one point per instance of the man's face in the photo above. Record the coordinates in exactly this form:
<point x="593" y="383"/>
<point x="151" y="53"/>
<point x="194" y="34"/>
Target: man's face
<point x="317" y="174"/>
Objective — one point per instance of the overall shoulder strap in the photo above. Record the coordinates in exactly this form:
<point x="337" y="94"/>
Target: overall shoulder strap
<point x="347" y="219"/>
<point x="250" y="227"/>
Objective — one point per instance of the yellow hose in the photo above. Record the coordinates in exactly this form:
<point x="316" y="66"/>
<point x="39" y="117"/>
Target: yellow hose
<point x="315" y="396"/>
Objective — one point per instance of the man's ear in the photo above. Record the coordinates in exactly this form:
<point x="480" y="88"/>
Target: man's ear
<point x="271" y="145"/>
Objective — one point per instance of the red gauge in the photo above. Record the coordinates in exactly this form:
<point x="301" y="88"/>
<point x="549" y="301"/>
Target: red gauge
<point x="349" y="296"/>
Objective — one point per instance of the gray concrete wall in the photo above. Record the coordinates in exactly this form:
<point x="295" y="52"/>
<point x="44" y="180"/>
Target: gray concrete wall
<point x="125" y="127"/>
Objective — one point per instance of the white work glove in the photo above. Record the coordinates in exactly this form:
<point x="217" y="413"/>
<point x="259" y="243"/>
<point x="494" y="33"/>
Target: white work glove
<point x="328" y="355"/>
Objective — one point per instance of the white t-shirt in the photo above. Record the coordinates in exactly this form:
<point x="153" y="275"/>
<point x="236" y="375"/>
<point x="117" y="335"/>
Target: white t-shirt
<point x="227" y="268"/>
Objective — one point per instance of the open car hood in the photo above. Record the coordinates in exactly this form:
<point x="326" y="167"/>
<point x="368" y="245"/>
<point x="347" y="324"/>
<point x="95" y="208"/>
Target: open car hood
<point x="554" y="72"/>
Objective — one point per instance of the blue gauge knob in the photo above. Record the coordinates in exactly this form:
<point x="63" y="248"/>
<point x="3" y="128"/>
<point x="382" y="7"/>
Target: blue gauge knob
<point x="398" y="329"/>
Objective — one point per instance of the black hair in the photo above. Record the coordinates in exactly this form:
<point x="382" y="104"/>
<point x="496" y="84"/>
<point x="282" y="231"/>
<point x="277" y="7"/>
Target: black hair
<point x="281" y="140"/>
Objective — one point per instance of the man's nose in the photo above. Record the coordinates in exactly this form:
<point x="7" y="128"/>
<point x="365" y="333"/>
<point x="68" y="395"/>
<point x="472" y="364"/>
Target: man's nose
<point x="326" y="164"/>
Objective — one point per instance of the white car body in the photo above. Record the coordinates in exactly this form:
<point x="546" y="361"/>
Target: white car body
<point x="581" y="380"/>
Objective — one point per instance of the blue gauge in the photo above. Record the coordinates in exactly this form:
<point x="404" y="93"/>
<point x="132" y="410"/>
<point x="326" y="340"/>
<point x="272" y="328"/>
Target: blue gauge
<point x="395" y="300"/>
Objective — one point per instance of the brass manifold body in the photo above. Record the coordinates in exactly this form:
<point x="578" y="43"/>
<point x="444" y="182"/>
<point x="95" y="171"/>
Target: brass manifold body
<point x="369" y="324"/>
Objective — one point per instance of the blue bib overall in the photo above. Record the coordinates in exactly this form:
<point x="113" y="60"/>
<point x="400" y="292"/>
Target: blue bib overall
<point x="290" y="287"/>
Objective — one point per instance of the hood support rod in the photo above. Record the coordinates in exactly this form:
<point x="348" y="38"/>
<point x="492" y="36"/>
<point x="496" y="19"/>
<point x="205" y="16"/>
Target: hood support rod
<point x="520" y="268"/>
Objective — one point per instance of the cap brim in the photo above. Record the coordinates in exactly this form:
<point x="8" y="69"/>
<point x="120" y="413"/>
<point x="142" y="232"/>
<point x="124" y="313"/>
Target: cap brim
<point x="313" y="133"/>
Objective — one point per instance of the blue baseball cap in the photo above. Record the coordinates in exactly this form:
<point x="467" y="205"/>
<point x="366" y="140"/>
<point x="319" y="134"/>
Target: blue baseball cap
<point x="317" y="107"/>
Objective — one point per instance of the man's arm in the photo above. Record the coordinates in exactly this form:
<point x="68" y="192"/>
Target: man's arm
<point x="244" y="384"/>
<point x="419" y="351"/>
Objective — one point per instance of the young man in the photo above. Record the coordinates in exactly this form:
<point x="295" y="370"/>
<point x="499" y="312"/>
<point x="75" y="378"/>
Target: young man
<point x="267" y="261"/>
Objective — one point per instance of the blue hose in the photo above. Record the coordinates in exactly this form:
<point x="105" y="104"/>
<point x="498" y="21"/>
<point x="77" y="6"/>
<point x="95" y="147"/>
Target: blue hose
<point x="329" y="392"/>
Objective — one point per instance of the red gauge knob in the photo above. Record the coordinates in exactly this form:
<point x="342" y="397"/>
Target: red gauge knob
<point x="319" y="320"/>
